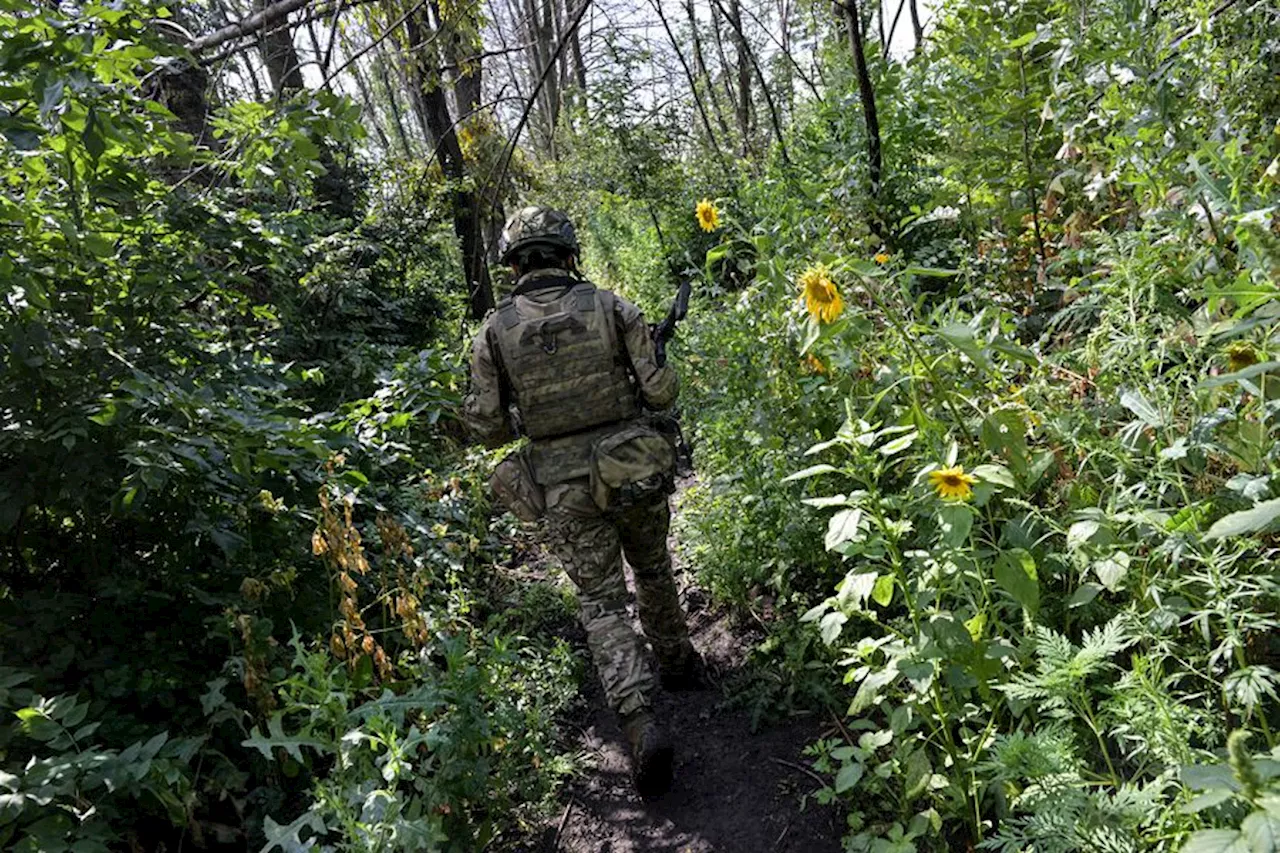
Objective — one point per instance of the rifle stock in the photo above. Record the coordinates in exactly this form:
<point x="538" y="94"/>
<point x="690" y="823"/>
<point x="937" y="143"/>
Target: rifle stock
<point x="666" y="330"/>
<point x="669" y="422"/>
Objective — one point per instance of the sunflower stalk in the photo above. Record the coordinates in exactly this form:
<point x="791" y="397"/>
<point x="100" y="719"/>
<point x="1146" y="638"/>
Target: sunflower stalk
<point x="917" y="358"/>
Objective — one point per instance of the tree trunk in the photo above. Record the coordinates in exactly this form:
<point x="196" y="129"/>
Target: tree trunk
<point x="853" y="25"/>
<point x="730" y="93"/>
<point x="744" y="112"/>
<point x="579" y="66"/>
<point x="541" y="38"/>
<point x="397" y="116"/>
<point x="775" y="120"/>
<point x="693" y="86"/>
<point x="279" y="55"/>
<point x="371" y="107"/>
<point x="467" y="219"/>
<point x="464" y="66"/>
<point x="916" y="26"/>
<point x="700" y="69"/>
<point x="884" y="44"/>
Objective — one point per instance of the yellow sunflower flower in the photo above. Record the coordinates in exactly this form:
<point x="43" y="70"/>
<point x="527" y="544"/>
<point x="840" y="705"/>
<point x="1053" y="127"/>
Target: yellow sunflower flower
<point x="953" y="483"/>
<point x="1241" y="355"/>
<point x="708" y="215"/>
<point x="821" y="298"/>
<point x="881" y="258"/>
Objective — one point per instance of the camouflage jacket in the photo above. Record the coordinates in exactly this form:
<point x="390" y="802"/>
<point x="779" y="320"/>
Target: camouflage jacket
<point x="487" y="408"/>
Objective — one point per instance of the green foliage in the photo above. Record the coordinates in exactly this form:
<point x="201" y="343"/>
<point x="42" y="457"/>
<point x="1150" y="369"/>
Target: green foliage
<point x="204" y="328"/>
<point x="446" y="760"/>
<point x="74" y="792"/>
<point x="1027" y="664"/>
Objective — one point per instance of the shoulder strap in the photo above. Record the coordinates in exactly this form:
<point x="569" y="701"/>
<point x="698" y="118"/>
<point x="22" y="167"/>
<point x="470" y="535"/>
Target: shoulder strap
<point x="508" y="314"/>
<point x="495" y="352"/>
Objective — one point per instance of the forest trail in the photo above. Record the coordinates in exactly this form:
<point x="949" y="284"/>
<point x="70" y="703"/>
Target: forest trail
<point x="735" y="790"/>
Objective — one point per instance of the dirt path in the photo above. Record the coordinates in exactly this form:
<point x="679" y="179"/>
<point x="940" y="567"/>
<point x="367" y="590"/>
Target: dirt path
<point x="735" y="791"/>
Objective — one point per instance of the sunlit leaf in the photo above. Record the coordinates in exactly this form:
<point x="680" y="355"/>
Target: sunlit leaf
<point x="1258" y="517"/>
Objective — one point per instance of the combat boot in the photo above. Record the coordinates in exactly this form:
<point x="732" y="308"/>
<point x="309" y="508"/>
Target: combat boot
<point x="683" y="671"/>
<point x="652" y="755"/>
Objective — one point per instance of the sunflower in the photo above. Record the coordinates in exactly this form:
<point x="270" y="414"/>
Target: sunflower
<point x="1240" y="355"/>
<point x="821" y="298"/>
<point x="881" y="258"/>
<point x="953" y="483"/>
<point x="708" y="215"/>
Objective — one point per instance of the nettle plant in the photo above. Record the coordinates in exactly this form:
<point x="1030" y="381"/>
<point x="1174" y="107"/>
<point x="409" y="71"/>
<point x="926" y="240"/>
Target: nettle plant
<point x="1040" y="625"/>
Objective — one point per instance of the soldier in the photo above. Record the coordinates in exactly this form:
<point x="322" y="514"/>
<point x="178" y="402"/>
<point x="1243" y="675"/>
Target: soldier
<point x="573" y="367"/>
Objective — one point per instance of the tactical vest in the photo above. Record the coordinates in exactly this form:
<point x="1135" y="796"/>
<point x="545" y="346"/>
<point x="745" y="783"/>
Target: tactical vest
<point x="563" y="360"/>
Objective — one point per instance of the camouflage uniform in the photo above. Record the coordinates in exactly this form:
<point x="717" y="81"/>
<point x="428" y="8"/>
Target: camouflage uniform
<point x="590" y="541"/>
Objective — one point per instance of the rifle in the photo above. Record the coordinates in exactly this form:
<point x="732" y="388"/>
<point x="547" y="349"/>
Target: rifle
<point x="669" y="422"/>
<point x="666" y="330"/>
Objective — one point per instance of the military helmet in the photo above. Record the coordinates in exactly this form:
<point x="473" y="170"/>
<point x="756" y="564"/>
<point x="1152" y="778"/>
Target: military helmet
<point x="536" y="226"/>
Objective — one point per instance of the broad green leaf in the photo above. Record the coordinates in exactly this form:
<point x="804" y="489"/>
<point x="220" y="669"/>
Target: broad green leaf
<point x="955" y="520"/>
<point x="899" y="444"/>
<point x="962" y="338"/>
<point x="1014" y="351"/>
<point x="855" y="589"/>
<point x="1015" y="572"/>
<point x="93" y="136"/>
<point x="882" y="592"/>
<point x="997" y="474"/>
<point x="99" y="244"/>
<point x="824" y="445"/>
<point x="916" y="775"/>
<point x="1204" y="777"/>
<point x="815" y="612"/>
<point x="826" y="502"/>
<point x="831" y="625"/>
<point x="842" y="527"/>
<point x="1080" y="533"/>
<point x="929" y="272"/>
<point x="869" y="691"/>
<point x="1245" y="521"/>
<point x="811" y="471"/>
<point x="1263" y="831"/>
<point x="1216" y="841"/>
<point x="812" y="334"/>
<point x="107" y="416"/>
<point x="848" y="776"/>
<point x="1207" y="800"/>
<point x="1086" y="593"/>
<point x="1112" y="570"/>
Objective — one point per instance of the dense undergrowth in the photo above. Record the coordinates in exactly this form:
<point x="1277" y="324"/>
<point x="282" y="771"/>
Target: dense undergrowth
<point x="1014" y="464"/>
<point x="999" y="479"/>
<point x="254" y="595"/>
<point x="248" y="586"/>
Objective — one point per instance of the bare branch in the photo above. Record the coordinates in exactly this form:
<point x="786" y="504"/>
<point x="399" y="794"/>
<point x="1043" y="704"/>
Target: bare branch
<point x="246" y="26"/>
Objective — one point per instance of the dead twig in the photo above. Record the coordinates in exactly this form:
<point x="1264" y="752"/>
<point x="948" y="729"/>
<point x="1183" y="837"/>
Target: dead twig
<point x="841" y="727"/>
<point x="785" y="830"/>
<point x="805" y="770"/>
<point x="564" y="819"/>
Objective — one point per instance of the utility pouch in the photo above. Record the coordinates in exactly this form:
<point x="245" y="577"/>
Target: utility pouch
<point x="631" y="463"/>
<point x="514" y="485"/>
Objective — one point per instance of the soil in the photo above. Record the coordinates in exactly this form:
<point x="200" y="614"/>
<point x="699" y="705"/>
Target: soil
<point x="735" y="790"/>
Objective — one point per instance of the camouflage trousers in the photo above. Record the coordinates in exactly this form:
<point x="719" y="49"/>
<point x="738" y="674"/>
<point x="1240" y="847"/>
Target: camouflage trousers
<point x="590" y="544"/>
